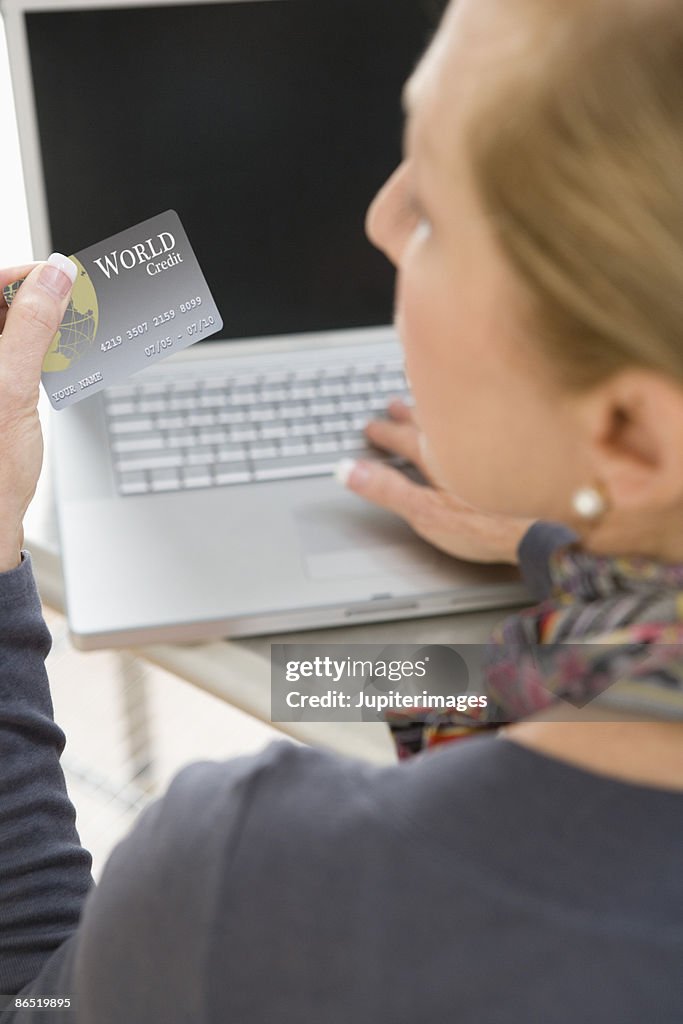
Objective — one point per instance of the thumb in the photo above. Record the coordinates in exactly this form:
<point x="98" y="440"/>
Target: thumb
<point x="32" y="322"/>
<point x="384" y="486"/>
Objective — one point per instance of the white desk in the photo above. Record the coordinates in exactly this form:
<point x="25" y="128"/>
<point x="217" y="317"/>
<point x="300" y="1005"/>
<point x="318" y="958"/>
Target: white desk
<point x="238" y="671"/>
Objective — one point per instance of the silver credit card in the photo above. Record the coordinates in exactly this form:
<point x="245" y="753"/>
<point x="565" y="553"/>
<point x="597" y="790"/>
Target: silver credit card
<point x="139" y="296"/>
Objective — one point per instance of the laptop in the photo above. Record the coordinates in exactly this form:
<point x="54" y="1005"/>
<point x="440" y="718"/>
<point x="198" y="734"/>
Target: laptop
<point x="197" y="501"/>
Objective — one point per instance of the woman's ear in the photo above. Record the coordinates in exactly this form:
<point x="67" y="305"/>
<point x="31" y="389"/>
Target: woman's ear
<point x="632" y="429"/>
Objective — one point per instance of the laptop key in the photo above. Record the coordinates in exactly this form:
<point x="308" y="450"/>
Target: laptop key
<point x="132" y="426"/>
<point x="196" y="476"/>
<point x="200" y="456"/>
<point x="164" y="480"/>
<point x="351" y="405"/>
<point x="185" y="403"/>
<point x="133" y="483"/>
<point x="299" y="391"/>
<point x="138" y="443"/>
<point x="171" y="422"/>
<point x="391" y="383"/>
<point x="212" y="400"/>
<point x="355" y="443"/>
<point x="150" y="461"/>
<point x="307" y="428"/>
<point x="295" y="410"/>
<point x="274" y="433"/>
<point x="274" y="394"/>
<point x="243" y="396"/>
<point x="244" y="434"/>
<point x="325" y="446"/>
<point x="334" y="426"/>
<point x="362" y="386"/>
<point x="265" y="414"/>
<point x="284" y="469"/>
<point x="293" y="449"/>
<point x="180" y="438"/>
<point x="231" y="416"/>
<point x="231" y="473"/>
<point x="121" y="408"/>
<point x="231" y="453"/>
<point x="201" y="419"/>
<point x="262" y="451"/>
<point x="332" y="389"/>
<point x="216" y="435"/>
<point x="322" y="408"/>
<point x="146" y="405"/>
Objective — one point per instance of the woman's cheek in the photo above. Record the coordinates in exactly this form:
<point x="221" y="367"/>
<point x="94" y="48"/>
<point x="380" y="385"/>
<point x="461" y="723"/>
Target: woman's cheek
<point x="431" y="378"/>
<point x="414" y="325"/>
<point x="447" y="392"/>
<point x="423" y="325"/>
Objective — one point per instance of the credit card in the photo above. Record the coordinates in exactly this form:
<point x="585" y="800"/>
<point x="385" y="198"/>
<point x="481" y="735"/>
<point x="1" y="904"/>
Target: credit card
<point x="139" y="296"/>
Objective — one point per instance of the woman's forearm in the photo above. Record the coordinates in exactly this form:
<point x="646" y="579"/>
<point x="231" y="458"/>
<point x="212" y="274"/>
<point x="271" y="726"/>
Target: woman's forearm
<point x="44" y="871"/>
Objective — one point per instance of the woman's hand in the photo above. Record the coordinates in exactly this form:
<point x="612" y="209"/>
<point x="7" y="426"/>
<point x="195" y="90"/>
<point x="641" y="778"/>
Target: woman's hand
<point x="27" y="330"/>
<point x="437" y="516"/>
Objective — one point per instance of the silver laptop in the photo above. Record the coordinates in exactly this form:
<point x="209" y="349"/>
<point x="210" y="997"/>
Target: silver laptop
<point x="198" y="501"/>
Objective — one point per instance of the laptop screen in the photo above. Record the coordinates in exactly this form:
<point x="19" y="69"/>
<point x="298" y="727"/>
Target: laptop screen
<point x="268" y="125"/>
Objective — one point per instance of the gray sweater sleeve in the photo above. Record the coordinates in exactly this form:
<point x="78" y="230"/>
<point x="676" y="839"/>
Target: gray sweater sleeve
<point x="536" y="547"/>
<point x="61" y="936"/>
<point x="44" y="871"/>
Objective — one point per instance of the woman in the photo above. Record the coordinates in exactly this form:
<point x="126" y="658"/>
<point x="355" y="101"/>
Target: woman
<point x="531" y="873"/>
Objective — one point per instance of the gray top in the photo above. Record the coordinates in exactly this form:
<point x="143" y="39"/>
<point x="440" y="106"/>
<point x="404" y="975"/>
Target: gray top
<point x="477" y="883"/>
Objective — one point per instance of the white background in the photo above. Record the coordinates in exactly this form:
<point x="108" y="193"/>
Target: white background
<point x="15" y="241"/>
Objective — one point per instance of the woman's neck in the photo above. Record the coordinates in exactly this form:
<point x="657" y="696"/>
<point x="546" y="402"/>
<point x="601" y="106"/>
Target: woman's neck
<point x="625" y="534"/>
<point x="643" y="753"/>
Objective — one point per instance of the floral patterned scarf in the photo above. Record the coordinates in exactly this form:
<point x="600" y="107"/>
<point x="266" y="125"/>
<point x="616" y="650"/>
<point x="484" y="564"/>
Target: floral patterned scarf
<point x="611" y="631"/>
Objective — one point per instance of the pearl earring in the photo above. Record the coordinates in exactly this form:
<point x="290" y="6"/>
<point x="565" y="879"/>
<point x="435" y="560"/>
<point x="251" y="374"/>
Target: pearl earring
<point x="589" y="503"/>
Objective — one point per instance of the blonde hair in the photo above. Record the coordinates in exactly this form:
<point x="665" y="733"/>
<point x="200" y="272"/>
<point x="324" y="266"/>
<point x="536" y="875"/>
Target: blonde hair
<point x="577" y="150"/>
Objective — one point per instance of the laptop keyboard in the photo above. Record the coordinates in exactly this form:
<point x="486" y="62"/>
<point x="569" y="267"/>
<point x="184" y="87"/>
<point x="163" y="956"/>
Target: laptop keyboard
<point x="175" y="434"/>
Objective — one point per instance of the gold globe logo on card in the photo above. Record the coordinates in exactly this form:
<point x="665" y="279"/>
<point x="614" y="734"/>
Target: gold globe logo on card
<point x="79" y="326"/>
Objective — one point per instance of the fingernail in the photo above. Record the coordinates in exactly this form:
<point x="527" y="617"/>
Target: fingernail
<point x="350" y="473"/>
<point x="58" y="275"/>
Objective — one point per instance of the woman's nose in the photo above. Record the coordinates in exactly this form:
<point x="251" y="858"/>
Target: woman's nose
<point x="380" y="221"/>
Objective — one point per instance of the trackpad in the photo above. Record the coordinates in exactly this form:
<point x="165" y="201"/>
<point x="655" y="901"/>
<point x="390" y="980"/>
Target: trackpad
<point x="340" y="541"/>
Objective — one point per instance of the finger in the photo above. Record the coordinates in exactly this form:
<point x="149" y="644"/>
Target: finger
<point x="384" y="486"/>
<point x="32" y="322"/>
<point x="400" y="410"/>
<point x="400" y="438"/>
<point x="8" y="275"/>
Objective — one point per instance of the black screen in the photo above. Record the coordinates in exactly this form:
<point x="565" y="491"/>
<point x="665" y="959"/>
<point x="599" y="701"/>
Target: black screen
<point x="268" y="125"/>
